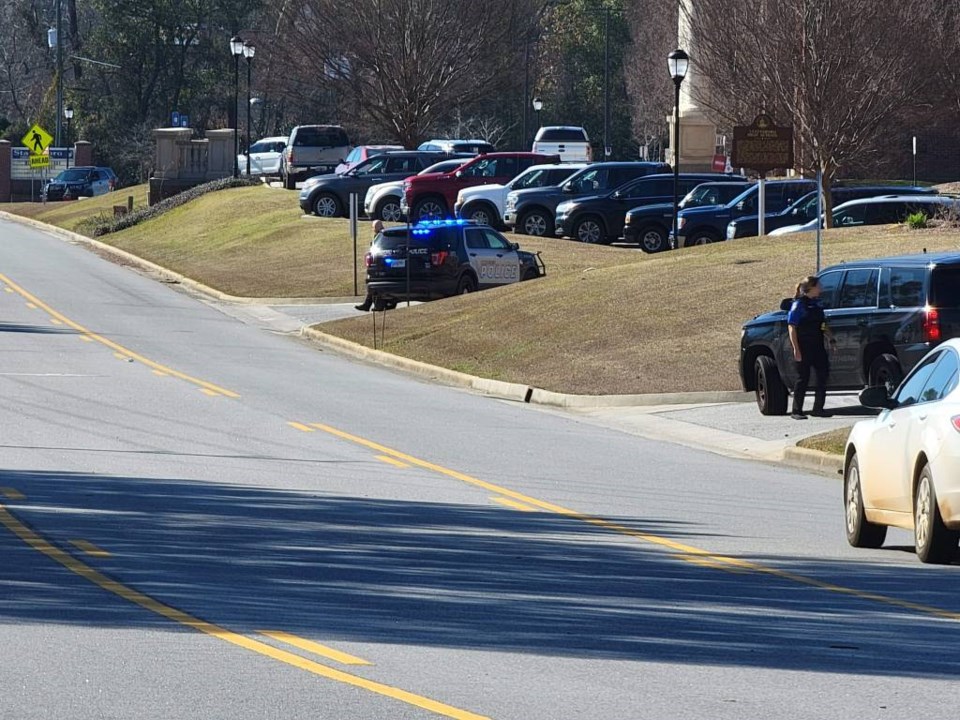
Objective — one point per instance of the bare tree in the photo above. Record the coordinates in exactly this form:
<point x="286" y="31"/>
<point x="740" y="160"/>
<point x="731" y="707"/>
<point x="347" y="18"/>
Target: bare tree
<point x="653" y="25"/>
<point x="838" y="70"/>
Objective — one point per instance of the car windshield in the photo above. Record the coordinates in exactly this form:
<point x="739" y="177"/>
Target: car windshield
<point x="487" y="167"/>
<point x="442" y="167"/>
<point x="531" y="178"/>
<point x="72" y="175"/>
<point x="588" y="180"/>
<point x="374" y="166"/>
<point x="703" y="195"/>
<point x="264" y="147"/>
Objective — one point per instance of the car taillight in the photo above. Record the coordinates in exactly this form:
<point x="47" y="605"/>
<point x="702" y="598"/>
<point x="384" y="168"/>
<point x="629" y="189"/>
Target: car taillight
<point x="589" y="153"/>
<point x="368" y="260"/>
<point x="931" y="325"/>
<point x="439" y="258"/>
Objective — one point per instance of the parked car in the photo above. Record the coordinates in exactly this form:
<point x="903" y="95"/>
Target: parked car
<point x="650" y="225"/>
<point x="311" y="150"/>
<point x="382" y="201"/>
<point x="571" y="143"/>
<point x="329" y="195"/>
<point x="885" y="314"/>
<point x="470" y="147"/>
<point x="361" y="153"/>
<point x="532" y="212"/>
<point x="902" y="468"/>
<point x="877" y="211"/>
<point x="700" y="226"/>
<point x="432" y="197"/>
<point x="805" y="209"/>
<point x="484" y="204"/>
<point x="451" y="257"/>
<point x="600" y="218"/>
<point x="265" y="157"/>
<point x="83" y="181"/>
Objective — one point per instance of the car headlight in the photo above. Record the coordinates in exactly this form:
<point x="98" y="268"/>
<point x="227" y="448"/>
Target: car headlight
<point x="626" y="219"/>
<point x="681" y="223"/>
<point x="511" y="201"/>
<point x="731" y="231"/>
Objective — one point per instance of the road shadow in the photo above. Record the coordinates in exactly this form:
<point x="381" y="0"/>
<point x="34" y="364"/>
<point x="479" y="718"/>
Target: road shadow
<point x="333" y="568"/>
<point x="6" y="327"/>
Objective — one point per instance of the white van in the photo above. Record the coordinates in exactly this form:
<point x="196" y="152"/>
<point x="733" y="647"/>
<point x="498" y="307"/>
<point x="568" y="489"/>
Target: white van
<point x="570" y="143"/>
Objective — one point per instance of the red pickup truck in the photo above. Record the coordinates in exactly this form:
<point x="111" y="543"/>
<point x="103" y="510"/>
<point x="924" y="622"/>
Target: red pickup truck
<point x="432" y="196"/>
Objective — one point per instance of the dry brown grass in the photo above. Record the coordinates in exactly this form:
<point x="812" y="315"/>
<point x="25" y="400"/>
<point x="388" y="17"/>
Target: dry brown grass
<point x="71" y="213"/>
<point x="833" y="442"/>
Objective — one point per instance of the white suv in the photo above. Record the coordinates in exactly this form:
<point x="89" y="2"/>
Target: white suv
<point x="570" y="143"/>
<point x="484" y="204"/>
<point x="382" y="202"/>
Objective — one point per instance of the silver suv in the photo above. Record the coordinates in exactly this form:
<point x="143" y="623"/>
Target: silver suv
<point x="311" y="150"/>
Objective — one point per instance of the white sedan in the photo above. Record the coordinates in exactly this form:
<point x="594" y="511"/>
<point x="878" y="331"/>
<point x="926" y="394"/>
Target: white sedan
<point x="264" y="157"/>
<point x="902" y="468"/>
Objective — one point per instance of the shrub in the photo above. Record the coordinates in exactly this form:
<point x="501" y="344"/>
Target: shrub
<point x="917" y="220"/>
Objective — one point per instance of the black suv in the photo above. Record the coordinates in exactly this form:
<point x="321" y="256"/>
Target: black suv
<point x="329" y="195"/>
<point x="650" y="225"/>
<point x="448" y="257"/>
<point x="805" y="209"/>
<point x="885" y="313"/>
<point x="532" y="212"/>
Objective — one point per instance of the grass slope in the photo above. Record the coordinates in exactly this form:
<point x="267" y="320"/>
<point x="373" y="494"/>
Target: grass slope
<point x="834" y="441"/>
<point x="71" y="214"/>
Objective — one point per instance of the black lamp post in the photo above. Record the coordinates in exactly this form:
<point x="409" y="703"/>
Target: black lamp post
<point x="538" y="106"/>
<point x="236" y="49"/>
<point x="68" y="114"/>
<point x="678" y="62"/>
<point x="248" y="52"/>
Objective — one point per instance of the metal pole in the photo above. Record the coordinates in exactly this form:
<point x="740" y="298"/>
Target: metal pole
<point x="409" y="231"/>
<point x="353" y="234"/>
<point x="819" y="217"/>
<point x="249" y="131"/>
<point x="69" y="121"/>
<point x="676" y="164"/>
<point x="914" y="160"/>
<point x="236" y="113"/>
<point x="761" y="203"/>
<point x="526" y="90"/>
<point x="59" y="72"/>
<point x="607" y="150"/>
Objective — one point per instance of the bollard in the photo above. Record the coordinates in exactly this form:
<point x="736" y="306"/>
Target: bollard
<point x="129" y="203"/>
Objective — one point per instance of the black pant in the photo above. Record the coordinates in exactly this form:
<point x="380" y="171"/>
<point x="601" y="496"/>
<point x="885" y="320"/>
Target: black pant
<point x="812" y="355"/>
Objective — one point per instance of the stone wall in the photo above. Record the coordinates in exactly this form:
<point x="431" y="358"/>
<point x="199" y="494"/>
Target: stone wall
<point x="182" y="162"/>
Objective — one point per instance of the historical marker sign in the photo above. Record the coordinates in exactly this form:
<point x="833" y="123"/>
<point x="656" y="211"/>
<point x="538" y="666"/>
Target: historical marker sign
<point x="762" y="146"/>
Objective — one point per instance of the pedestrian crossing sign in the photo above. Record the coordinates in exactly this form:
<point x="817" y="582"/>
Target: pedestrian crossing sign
<point x="37" y="140"/>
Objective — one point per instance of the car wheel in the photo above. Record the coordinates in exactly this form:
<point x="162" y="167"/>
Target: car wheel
<point x="326" y="205"/>
<point x="861" y="532"/>
<point x="653" y="240"/>
<point x="771" y="392"/>
<point x="530" y="274"/>
<point x="466" y="285"/>
<point x="885" y="370"/>
<point x="935" y="543"/>
<point x="702" y="237"/>
<point x="536" y="223"/>
<point x="288" y="182"/>
<point x="589" y="230"/>
<point x="388" y="210"/>
<point x="480" y="214"/>
<point x="429" y="209"/>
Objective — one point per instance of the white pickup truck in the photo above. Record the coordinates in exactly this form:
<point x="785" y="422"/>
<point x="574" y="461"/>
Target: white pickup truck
<point x="569" y="142"/>
<point x="485" y="203"/>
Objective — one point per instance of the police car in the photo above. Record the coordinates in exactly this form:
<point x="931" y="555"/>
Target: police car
<point x="444" y="258"/>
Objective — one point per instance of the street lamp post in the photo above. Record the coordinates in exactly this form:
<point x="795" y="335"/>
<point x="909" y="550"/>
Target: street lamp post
<point x="236" y="49"/>
<point x="538" y="106"/>
<point x="248" y="52"/>
<point x="678" y="62"/>
<point x="68" y="114"/>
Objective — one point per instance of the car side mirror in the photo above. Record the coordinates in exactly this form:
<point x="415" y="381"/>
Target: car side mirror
<point x="617" y="195"/>
<point x="740" y="205"/>
<point x="515" y="246"/>
<point x="568" y="188"/>
<point x="877" y="397"/>
<point x="459" y="173"/>
<point x="786" y="304"/>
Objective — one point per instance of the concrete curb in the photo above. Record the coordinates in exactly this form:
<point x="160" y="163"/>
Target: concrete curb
<point x="493" y="388"/>
<point x="815" y="460"/>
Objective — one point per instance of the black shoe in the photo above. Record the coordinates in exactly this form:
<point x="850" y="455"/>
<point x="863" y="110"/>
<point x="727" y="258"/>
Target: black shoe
<point x="798" y="416"/>
<point x="821" y="413"/>
<point x="364" y="307"/>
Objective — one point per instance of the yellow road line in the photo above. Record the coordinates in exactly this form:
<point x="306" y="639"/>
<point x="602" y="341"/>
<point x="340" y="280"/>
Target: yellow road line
<point x="85" y="338"/>
<point x="88" y="548"/>
<point x="314" y="647"/>
<point x="12" y="493"/>
<point x="208" y="391"/>
<point x="9" y="290"/>
<point x="513" y="504"/>
<point x="301" y="427"/>
<point x="392" y="461"/>
<point x="171" y="613"/>
<point x="94" y="337"/>
<point x="685" y="552"/>
<point x="120" y="356"/>
<point x="54" y="321"/>
<point x="159" y="373"/>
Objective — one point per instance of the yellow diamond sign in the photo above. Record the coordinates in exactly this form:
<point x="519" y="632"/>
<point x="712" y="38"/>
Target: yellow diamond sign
<point x="37" y="140"/>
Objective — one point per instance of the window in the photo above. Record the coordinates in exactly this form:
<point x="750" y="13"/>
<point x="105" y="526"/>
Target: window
<point x="555" y="177"/>
<point x="510" y="167"/>
<point x="903" y="287"/>
<point x="486" y="168"/>
<point x="402" y="165"/>
<point x="590" y="180"/>
<point x="859" y="289"/>
<point x="794" y="191"/>
<point x="912" y="388"/>
<point x="882" y="213"/>
<point x="375" y="166"/>
<point x="946" y="287"/>
<point x="851" y="216"/>
<point x="354" y="155"/>
<point x="476" y="239"/>
<point x="562" y="135"/>
<point x="618" y="176"/>
<point x="829" y="281"/>
<point x="320" y="137"/>
<point x="495" y="241"/>
<point x="942" y="380"/>
<point x="534" y="178"/>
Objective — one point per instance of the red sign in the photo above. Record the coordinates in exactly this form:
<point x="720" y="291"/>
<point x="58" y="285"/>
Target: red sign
<point x="719" y="163"/>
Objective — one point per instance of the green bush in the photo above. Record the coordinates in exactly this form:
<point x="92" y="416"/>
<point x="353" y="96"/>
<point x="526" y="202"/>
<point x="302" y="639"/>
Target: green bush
<point x="917" y="220"/>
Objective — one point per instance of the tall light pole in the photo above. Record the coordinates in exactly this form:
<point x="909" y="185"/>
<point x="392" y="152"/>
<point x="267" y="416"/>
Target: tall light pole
<point x="68" y="114"/>
<point x="248" y="52"/>
<point x="607" y="148"/>
<point x="678" y="62"/>
<point x="59" y="71"/>
<point x="538" y="106"/>
<point x="236" y="49"/>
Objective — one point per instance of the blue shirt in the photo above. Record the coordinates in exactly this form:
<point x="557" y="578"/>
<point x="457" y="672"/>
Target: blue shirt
<point x="806" y="314"/>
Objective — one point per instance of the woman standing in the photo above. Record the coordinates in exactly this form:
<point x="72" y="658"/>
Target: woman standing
<point x="808" y="329"/>
<point x="368" y="300"/>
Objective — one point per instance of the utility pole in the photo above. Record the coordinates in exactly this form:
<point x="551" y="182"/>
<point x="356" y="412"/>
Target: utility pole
<point x="59" y="130"/>
<point x="607" y="149"/>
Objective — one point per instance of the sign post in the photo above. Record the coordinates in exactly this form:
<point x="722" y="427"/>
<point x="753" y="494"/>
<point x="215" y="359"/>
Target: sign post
<point x="762" y="146"/>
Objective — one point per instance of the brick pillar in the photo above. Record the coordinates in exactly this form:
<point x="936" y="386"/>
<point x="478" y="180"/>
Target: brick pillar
<point x="82" y="153"/>
<point x="5" y="162"/>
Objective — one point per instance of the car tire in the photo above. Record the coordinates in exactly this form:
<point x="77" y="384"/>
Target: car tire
<point x="530" y="274"/>
<point x="861" y="533"/>
<point x="935" y="543"/>
<point x="885" y="370"/>
<point x="289" y="183"/>
<point x="429" y="209"/>
<point x="653" y="239"/>
<point x="771" y="392"/>
<point x="388" y="210"/>
<point x="702" y="237"/>
<point x="536" y="223"/>
<point x="466" y="285"/>
<point x="326" y="205"/>
<point x="590" y="230"/>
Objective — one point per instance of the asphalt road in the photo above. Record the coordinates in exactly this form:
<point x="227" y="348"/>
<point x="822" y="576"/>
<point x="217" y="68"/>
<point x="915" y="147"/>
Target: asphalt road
<point x="202" y="518"/>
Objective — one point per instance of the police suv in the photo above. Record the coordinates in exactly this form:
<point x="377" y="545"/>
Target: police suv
<point x="444" y="258"/>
